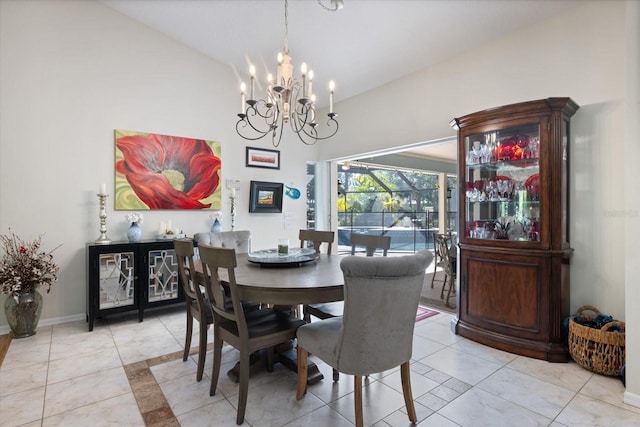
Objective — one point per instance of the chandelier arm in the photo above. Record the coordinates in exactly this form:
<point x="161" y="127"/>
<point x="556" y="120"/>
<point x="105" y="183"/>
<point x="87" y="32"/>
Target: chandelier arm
<point x="330" y="123"/>
<point x="242" y="123"/>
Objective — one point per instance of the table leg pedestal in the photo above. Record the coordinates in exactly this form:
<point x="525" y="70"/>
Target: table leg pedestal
<point x="286" y="355"/>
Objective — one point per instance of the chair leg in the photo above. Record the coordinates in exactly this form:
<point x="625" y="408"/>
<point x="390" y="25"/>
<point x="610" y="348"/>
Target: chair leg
<point x="435" y="267"/>
<point x="444" y="284"/>
<point x="336" y="375"/>
<point x="357" y="390"/>
<point x="302" y="373"/>
<point x="244" y="386"/>
<point x="202" y="350"/>
<point x="187" y="338"/>
<point x="215" y="371"/>
<point x="451" y="285"/>
<point x="405" y="375"/>
<point x="305" y="314"/>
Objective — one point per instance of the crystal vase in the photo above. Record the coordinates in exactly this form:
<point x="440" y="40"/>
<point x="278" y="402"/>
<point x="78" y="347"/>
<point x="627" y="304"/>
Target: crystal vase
<point x="134" y="234"/>
<point x="23" y="313"/>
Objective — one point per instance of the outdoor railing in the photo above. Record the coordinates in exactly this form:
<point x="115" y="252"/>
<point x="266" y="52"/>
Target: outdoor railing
<point x="409" y="231"/>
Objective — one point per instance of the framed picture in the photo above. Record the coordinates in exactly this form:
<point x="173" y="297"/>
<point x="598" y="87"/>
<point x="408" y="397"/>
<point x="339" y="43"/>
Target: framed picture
<point x="154" y="171"/>
<point x="265" y="197"/>
<point x="261" y="158"/>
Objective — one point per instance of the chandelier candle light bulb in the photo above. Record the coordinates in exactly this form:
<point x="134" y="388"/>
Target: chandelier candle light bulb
<point x="332" y="86"/>
<point x="252" y="72"/>
<point x="243" y="89"/>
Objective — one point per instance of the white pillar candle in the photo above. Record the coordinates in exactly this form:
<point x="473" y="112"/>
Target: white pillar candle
<point x="332" y="86"/>
<point x="233" y="193"/>
<point x="243" y="87"/>
<point x="103" y="188"/>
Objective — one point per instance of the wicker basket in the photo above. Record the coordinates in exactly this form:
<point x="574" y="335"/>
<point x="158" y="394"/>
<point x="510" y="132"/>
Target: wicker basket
<point x="598" y="350"/>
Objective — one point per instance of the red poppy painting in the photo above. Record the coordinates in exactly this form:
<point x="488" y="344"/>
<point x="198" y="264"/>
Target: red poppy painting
<point x="166" y="172"/>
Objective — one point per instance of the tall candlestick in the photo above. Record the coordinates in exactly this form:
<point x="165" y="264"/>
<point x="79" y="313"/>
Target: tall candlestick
<point x="102" y="198"/>
<point x="232" y="199"/>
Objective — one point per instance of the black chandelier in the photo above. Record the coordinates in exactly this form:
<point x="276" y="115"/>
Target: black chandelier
<point x="287" y="101"/>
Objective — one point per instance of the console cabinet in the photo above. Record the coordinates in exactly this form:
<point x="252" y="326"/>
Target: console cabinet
<point x="514" y="251"/>
<point x="124" y="276"/>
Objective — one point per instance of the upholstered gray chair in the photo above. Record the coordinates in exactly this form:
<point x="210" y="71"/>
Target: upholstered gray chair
<point x="239" y="240"/>
<point x="358" y="343"/>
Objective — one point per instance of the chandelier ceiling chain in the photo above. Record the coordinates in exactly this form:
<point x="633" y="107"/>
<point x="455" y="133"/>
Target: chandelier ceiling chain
<point x="287" y="100"/>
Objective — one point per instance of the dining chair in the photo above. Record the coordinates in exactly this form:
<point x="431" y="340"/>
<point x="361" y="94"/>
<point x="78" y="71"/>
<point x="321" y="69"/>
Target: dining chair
<point x="448" y="265"/>
<point x="438" y="262"/>
<point x="335" y="309"/>
<point x="240" y="240"/>
<point x="318" y="238"/>
<point x="370" y="242"/>
<point x="197" y="306"/>
<point x="249" y="332"/>
<point x="358" y="345"/>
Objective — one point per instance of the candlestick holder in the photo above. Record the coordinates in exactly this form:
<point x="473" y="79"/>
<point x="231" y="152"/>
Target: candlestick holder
<point x="233" y="212"/>
<point x="103" y="219"/>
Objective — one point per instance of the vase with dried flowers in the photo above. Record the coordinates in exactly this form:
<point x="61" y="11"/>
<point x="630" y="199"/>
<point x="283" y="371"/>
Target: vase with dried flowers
<point x="134" y="234"/>
<point x="24" y="267"/>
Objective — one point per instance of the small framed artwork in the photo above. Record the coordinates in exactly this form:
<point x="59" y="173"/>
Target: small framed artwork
<point x="261" y="158"/>
<point x="265" y="197"/>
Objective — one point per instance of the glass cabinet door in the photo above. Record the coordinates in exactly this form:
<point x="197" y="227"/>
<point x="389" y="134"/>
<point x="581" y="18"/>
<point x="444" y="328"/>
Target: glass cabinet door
<point x="502" y="184"/>
<point x="163" y="275"/>
<point x="116" y="279"/>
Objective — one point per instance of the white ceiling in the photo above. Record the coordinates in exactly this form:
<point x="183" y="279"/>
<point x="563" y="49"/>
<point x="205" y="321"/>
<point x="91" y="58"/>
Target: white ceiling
<point x="365" y="45"/>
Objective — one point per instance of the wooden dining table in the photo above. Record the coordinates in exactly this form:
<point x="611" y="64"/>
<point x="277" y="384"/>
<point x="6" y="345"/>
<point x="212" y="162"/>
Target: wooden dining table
<point x="317" y="281"/>
<point x="312" y="282"/>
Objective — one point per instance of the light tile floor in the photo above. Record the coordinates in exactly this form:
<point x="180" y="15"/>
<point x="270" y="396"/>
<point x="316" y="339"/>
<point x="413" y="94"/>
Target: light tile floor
<point x="65" y="375"/>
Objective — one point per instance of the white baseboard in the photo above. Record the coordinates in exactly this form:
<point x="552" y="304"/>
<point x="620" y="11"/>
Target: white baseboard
<point x="632" y="399"/>
<point x="4" y="329"/>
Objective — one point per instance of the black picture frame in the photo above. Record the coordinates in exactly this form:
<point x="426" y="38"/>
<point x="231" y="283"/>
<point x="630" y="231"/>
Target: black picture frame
<point x="265" y="197"/>
<point x="262" y="158"/>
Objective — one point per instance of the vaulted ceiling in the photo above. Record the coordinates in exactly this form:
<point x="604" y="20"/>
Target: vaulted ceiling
<point x="366" y="44"/>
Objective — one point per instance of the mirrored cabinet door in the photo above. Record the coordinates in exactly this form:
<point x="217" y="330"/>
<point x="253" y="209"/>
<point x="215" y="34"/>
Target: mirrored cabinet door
<point x="116" y="277"/>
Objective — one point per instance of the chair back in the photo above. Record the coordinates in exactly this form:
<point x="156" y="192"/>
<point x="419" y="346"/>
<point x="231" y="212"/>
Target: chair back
<point x="370" y="242"/>
<point x="239" y="240"/>
<point x="213" y="259"/>
<point x="186" y="270"/>
<point x="443" y="242"/>
<point x="374" y="289"/>
<point x="318" y="238"/>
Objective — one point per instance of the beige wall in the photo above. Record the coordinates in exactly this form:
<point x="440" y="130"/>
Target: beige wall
<point x="72" y="72"/>
<point x="583" y="54"/>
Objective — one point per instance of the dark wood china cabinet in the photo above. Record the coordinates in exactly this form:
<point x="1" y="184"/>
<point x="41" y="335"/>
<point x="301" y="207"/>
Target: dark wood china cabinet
<point x="514" y="248"/>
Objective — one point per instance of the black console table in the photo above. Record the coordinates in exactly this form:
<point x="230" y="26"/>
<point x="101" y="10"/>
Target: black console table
<point x="123" y="276"/>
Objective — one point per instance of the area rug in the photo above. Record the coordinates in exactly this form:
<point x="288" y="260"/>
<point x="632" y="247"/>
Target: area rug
<point x="424" y="312"/>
